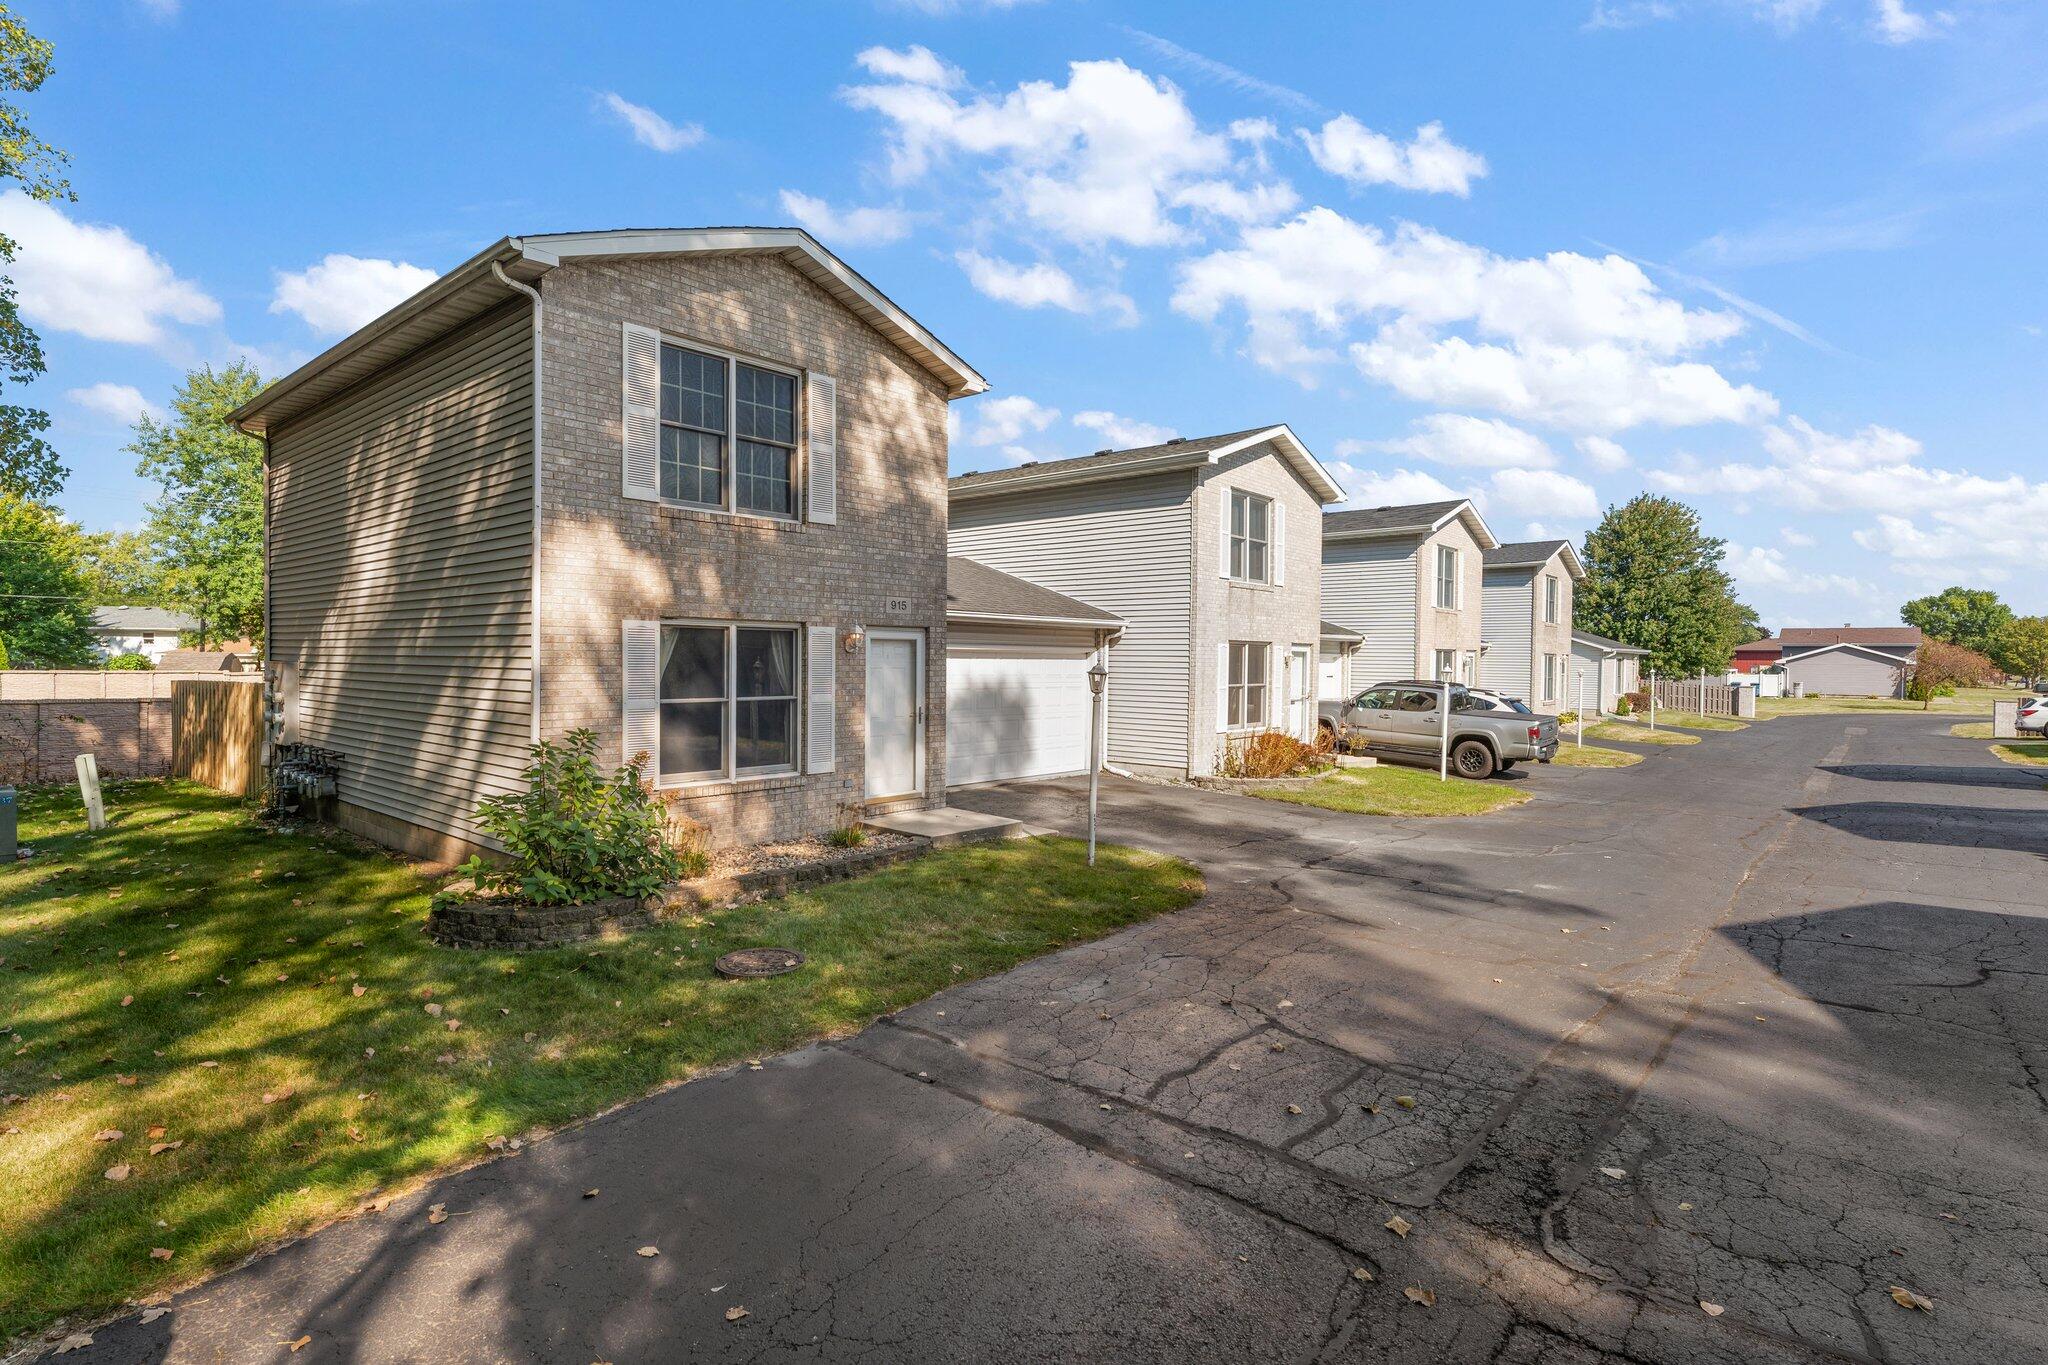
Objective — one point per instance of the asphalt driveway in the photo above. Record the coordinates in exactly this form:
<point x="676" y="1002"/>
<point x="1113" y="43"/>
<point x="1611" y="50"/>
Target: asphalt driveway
<point x="1691" y="1061"/>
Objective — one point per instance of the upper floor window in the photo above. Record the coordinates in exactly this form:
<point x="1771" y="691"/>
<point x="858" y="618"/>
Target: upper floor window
<point x="1550" y="598"/>
<point x="1447" y="576"/>
<point x="1251" y="537"/>
<point x="728" y="433"/>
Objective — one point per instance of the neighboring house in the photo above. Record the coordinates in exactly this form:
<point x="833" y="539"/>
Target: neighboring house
<point x="1527" y="619"/>
<point x="1756" y="657"/>
<point x="1854" y="661"/>
<point x="1018" y="700"/>
<point x="686" y="488"/>
<point x="1206" y="549"/>
<point x="1603" y="671"/>
<point x="148" y="631"/>
<point x="1409" y="579"/>
<point x="201" y="661"/>
<point x="1334" y="680"/>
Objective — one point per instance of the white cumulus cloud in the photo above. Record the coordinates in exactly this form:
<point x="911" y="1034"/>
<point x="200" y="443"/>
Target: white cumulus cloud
<point x="1043" y="285"/>
<point x="1392" y="487"/>
<point x="650" y="129"/>
<point x="339" y="293"/>
<point x="1542" y="493"/>
<point x="1454" y="439"/>
<point x="121" y="403"/>
<point x="1602" y="453"/>
<point x="1123" y="433"/>
<point x="1348" y="149"/>
<point x="846" y="226"/>
<point x="913" y="65"/>
<point x="95" y="280"/>
<point x="1001" y="421"/>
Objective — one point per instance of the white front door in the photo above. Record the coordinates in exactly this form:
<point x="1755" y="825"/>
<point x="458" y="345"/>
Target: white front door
<point x="1301" y="708"/>
<point x="1330" y="681"/>
<point x="895" y="743"/>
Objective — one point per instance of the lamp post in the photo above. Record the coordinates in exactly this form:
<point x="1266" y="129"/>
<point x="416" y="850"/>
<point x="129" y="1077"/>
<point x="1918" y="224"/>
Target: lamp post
<point x="1443" y="758"/>
<point x="1098" y="678"/>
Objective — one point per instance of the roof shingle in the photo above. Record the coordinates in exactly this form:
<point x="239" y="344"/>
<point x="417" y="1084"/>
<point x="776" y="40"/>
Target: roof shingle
<point x="974" y="589"/>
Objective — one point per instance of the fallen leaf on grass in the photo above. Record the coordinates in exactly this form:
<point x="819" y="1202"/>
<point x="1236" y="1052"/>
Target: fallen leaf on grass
<point x="1712" y="1310"/>
<point x="1417" y="1294"/>
<point x="277" y="1096"/>
<point x="376" y="1205"/>
<point x="152" y="1314"/>
<point x="77" y="1341"/>
<point x="108" y="1135"/>
<point x="126" y="1001"/>
<point x="1399" y="1226"/>
<point x="120" y="1172"/>
<point x="159" y="1254"/>
<point x="357" y="990"/>
<point x="124" y="1080"/>
<point x="1906" y="1298"/>
<point x="735" y="1313"/>
<point x="648" y="1251"/>
<point x="209" y="1064"/>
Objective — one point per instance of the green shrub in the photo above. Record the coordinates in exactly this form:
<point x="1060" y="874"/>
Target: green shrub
<point x="130" y="663"/>
<point x="576" y="835"/>
<point x="847" y="836"/>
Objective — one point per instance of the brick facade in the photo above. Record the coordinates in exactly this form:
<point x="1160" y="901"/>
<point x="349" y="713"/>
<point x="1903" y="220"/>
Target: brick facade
<point x="605" y="558"/>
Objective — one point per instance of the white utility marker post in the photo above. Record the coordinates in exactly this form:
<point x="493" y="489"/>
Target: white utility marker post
<point x="1443" y="758"/>
<point x="89" y="789"/>
<point x="1581" y="712"/>
<point x="1653" y="699"/>
<point x="1703" y="691"/>
<point x="1097" y="677"/>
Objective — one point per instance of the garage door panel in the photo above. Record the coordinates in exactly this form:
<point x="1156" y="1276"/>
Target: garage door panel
<point x="1014" y="717"/>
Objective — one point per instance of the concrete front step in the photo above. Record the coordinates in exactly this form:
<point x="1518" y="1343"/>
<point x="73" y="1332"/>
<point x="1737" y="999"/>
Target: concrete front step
<point x="945" y="826"/>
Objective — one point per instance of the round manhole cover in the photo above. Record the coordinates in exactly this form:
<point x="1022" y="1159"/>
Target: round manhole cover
<point x="759" y="962"/>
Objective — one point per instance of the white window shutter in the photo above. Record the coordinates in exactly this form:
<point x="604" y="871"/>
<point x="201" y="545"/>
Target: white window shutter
<point x="1223" y="532"/>
<point x="821" y="440"/>
<point x="821" y="711"/>
<point x="1223" y="686"/>
<point x="641" y="721"/>
<point x="1279" y="550"/>
<point x="640" y="381"/>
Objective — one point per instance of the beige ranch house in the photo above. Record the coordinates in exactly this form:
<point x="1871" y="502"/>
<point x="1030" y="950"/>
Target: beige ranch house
<point x="686" y="488"/>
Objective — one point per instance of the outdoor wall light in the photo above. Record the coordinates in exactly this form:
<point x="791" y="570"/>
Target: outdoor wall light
<point x="850" y="641"/>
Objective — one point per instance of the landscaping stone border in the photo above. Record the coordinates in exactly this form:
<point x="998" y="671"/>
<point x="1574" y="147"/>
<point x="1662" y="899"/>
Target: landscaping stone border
<point x="1245" y="784"/>
<point x="516" y="927"/>
<point x="743" y="888"/>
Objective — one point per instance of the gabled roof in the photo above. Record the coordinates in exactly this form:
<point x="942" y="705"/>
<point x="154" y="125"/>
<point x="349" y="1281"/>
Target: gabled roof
<point x="975" y="592"/>
<point x="1601" y="642"/>
<point x="1867" y="651"/>
<point x="1764" y="646"/>
<point x="128" y="620"/>
<point x="1413" y="519"/>
<point x="1332" y="631"/>
<point x="1178" y="453"/>
<point x="1851" y="635"/>
<point x="1534" y="554"/>
<point x="485" y="281"/>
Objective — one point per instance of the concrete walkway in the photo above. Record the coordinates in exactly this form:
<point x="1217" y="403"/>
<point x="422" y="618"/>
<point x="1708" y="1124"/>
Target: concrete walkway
<point x="1759" y="1023"/>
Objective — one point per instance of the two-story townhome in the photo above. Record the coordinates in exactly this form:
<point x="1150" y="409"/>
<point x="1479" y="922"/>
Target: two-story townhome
<point x="685" y="488"/>
<point x="1527" y="620"/>
<point x="1409" y="580"/>
<point x="1205" y="550"/>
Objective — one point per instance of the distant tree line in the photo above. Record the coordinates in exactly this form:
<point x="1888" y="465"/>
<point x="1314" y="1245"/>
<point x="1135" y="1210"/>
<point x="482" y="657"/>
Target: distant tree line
<point x="1975" y="619"/>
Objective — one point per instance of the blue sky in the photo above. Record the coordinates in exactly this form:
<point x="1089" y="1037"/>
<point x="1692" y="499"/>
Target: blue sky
<point x="1783" y="258"/>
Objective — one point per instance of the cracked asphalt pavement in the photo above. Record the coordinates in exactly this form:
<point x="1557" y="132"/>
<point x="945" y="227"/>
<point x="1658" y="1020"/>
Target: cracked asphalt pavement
<point x="1760" y="1024"/>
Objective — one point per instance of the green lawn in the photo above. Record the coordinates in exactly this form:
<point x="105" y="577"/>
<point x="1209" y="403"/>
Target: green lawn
<point x="2026" y="752"/>
<point x="1390" y="790"/>
<point x="262" y="1001"/>
<point x="1570" y="755"/>
<point x="1692" y="720"/>
<point x="1627" y="732"/>
<point x="1975" y="701"/>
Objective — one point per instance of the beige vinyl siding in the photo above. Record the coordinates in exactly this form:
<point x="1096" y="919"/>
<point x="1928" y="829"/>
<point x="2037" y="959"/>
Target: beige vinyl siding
<point x="400" y="548"/>
<point x="1369" y="586"/>
<point x="1124" y="546"/>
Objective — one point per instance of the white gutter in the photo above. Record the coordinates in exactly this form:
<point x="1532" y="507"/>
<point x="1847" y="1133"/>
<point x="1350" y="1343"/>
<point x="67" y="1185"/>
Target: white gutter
<point x="533" y="551"/>
<point x="1002" y="619"/>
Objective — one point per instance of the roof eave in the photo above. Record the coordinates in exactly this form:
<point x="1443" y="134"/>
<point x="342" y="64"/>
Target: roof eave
<point x="1000" y="618"/>
<point x="1054" y="477"/>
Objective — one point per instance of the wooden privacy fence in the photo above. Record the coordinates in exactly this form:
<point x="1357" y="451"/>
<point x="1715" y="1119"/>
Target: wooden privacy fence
<point x="207" y="727"/>
<point x="217" y="733"/>
<point x="1732" y="700"/>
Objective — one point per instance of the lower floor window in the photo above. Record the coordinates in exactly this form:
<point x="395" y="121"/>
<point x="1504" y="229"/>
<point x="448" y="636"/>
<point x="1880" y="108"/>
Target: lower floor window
<point x="1553" y="677"/>
<point x="1446" y="665"/>
<point x="1250" y="670"/>
<point x="728" y="700"/>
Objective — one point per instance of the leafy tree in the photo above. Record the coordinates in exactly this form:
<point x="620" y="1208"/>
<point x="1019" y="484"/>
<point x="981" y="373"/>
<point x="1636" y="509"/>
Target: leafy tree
<point x="2023" y="647"/>
<point x="44" y="616"/>
<point x="1942" y="667"/>
<point x="28" y="466"/>
<point x="121" y="569"/>
<point x="1656" y="582"/>
<point x="207" y="526"/>
<point x="1970" y="617"/>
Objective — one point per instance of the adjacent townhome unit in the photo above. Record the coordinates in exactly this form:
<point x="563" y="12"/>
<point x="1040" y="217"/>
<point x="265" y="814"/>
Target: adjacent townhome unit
<point x="1206" y="551"/>
<point x="1409" y="580"/>
<point x="1527" y="620"/>
<point x="1855" y="661"/>
<point x="686" y="488"/>
<point x="1603" y="672"/>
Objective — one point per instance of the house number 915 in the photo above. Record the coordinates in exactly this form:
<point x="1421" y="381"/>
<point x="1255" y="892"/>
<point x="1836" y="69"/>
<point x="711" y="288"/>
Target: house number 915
<point x="896" y="606"/>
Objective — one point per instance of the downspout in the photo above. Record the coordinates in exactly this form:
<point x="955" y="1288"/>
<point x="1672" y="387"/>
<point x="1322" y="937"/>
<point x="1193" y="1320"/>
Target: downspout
<point x="498" y="273"/>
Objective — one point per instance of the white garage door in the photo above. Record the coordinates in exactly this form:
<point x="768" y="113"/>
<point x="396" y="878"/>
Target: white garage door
<point x="1016" y="708"/>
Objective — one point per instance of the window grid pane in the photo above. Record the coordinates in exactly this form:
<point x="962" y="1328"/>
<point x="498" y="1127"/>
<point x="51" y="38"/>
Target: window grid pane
<point x="762" y="479"/>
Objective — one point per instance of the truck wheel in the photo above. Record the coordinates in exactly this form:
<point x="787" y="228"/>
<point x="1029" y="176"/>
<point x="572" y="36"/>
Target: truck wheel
<point x="1472" y="759"/>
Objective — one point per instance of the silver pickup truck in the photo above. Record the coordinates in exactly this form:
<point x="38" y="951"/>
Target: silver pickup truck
<point x="1489" y="734"/>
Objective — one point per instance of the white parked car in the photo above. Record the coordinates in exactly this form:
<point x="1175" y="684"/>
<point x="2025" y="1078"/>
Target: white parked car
<point x="2034" y="714"/>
